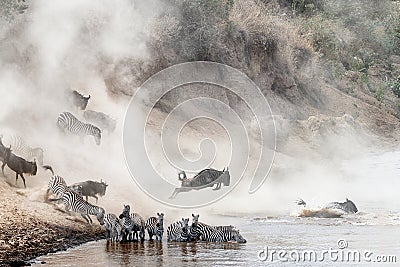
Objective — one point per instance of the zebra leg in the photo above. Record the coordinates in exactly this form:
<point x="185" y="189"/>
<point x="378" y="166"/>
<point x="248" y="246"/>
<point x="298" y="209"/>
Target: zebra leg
<point x="87" y="218"/>
<point x="150" y="234"/>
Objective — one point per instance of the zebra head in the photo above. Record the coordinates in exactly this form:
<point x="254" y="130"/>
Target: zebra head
<point x="185" y="225"/>
<point x="100" y="215"/>
<point x="238" y="237"/>
<point x="195" y="220"/>
<point x="160" y="220"/>
<point x="125" y="212"/>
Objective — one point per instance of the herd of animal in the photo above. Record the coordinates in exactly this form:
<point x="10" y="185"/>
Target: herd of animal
<point x="127" y="226"/>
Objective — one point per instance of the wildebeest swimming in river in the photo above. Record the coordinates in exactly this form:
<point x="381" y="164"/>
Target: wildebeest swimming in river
<point x="331" y="210"/>
<point x="205" y="178"/>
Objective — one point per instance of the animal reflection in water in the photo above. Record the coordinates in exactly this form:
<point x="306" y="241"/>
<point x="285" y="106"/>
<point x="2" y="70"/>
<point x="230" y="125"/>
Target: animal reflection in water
<point x="205" y="178"/>
<point x="331" y="210"/>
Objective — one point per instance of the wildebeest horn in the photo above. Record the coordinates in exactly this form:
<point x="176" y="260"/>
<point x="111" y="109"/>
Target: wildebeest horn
<point x="223" y="169"/>
<point x="88" y="96"/>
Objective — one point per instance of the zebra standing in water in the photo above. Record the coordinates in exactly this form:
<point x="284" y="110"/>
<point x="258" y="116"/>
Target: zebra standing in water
<point x="68" y="122"/>
<point x="138" y="226"/>
<point x="193" y="230"/>
<point x="155" y="226"/>
<point x="126" y="222"/>
<point x="113" y="227"/>
<point x="219" y="233"/>
<point x="24" y="150"/>
<point x="178" y="231"/>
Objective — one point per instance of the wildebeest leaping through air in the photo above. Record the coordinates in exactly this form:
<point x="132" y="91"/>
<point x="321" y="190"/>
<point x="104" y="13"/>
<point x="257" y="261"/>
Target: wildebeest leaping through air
<point x="205" y="178"/>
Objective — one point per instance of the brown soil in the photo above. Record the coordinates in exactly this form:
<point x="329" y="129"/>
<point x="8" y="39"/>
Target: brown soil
<point x="29" y="227"/>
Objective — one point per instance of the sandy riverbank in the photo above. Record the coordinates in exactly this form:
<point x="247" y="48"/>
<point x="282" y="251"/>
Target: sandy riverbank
<point x="29" y="227"/>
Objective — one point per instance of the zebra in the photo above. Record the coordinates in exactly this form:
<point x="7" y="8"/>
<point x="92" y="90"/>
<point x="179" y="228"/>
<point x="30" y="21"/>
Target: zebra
<point x="57" y="186"/>
<point x="155" y="226"/>
<point x="113" y="227"/>
<point x="68" y="122"/>
<point x="178" y="231"/>
<point x="126" y="222"/>
<point x="219" y="233"/>
<point x="73" y="201"/>
<point x="24" y="150"/>
<point x="193" y="230"/>
<point x="138" y="226"/>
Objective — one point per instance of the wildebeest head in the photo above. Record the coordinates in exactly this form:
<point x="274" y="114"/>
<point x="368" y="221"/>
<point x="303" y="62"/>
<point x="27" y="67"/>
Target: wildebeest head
<point x="182" y="175"/>
<point x="97" y="135"/>
<point x="125" y="212"/>
<point x="100" y="215"/>
<point x="238" y="237"/>
<point x="103" y="187"/>
<point x="226" y="177"/>
<point x="31" y="167"/>
<point x="349" y="206"/>
<point x="195" y="220"/>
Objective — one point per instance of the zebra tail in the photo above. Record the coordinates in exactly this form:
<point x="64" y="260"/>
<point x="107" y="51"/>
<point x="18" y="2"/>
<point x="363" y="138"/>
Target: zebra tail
<point x="48" y="167"/>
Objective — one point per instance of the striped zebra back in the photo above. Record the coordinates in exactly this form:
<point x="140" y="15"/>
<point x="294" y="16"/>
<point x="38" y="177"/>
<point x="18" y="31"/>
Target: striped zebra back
<point x="68" y="122"/>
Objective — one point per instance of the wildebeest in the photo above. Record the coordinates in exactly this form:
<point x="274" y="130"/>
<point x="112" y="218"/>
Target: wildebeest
<point x="104" y="121"/>
<point x="20" y="166"/>
<point x="91" y="188"/>
<point x="205" y="178"/>
<point x="331" y="210"/>
<point x="78" y="100"/>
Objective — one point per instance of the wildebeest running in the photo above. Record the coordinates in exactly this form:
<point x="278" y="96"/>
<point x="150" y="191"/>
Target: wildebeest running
<point x="205" y="178"/>
<point x="20" y="166"/>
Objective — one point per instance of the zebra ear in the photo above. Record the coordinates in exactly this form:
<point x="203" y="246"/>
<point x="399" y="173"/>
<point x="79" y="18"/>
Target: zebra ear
<point x="158" y="214"/>
<point x="192" y="215"/>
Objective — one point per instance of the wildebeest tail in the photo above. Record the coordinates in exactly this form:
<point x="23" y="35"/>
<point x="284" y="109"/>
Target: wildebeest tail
<point x="48" y="167"/>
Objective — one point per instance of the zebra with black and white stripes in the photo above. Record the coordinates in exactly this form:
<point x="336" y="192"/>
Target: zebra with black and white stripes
<point x="178" y="231"/>
<point x="219" y="233"/>
<point x="73" y="201"/>
<point x="113" y="227"/>
<point x="193" y="230"/>
<point x="21" y="148"/>
<point x="138" y="228"/>
<point x="68" y="122"/>
<point x="155" y="226"/>
<point x="126" y="222"/>
<point x="57" y="186"/>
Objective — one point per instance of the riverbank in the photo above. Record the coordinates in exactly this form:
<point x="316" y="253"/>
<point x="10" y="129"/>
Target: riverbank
<point x="29" y="227"/>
